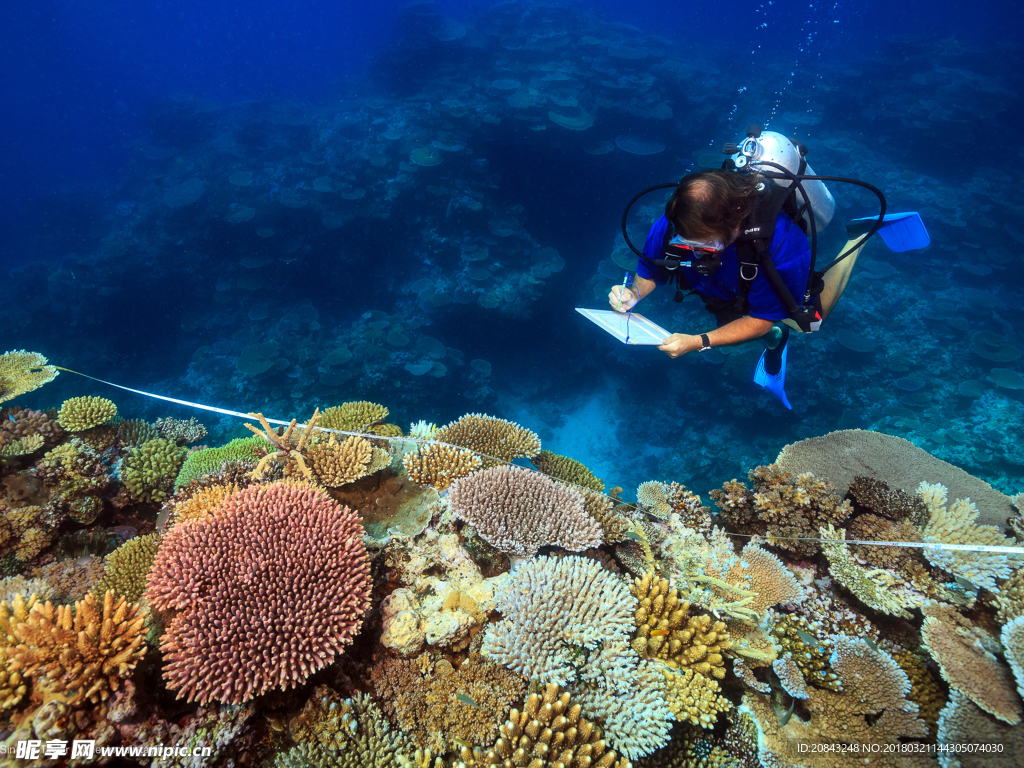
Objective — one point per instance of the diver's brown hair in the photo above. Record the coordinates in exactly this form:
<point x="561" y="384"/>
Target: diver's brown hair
<point x="710" y="205"/>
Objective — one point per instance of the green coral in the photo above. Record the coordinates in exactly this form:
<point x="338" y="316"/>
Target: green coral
<point x="209" y="460"/>
<point x="147" y="470"/>
<point x="355" y="416"/>
<point x="81" y="413"/>
<point x="127" y="568"/>
<point x="569" y="470"/>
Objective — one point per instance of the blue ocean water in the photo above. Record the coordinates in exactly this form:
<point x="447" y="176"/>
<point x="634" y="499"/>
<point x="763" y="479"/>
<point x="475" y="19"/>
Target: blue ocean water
<point x="277" y="207"/>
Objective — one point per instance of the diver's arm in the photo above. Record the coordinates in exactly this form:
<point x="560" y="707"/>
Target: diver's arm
<point x="736" y="332"/>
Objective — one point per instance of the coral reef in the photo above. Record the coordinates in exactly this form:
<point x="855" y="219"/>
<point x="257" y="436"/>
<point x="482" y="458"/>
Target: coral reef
<point x="335" y="464"/>
<point x="81" y="413"/>
<point x="891" y="503"/>
<point x="568" y="470"/>
<point x="224" y="642"/>
<point x="440" y="465"/>
<point x="149" y="471"/>
<point x="355" y="416"/>
<point x="180" y="431"/>
<point x="519" y="511"/>
<point x="21" y="372"/>
<point x="962" y="722"/>
<point x="925" y="689"/>
<point x="28" y="427"/>
<point x="809" y="655"/>
<point x="127" y="568"/>
<point x="694" y="698"/>
<point x="496" y="440"/>
<point x="209" y="460"/>
<point x="652" y="497"/>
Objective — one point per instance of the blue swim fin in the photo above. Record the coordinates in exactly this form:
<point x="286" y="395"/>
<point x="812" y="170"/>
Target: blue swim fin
<point x="899" y="231"/>
<point x="774" y="382"/>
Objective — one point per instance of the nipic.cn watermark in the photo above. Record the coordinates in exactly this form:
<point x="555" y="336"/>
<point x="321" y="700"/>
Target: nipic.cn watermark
<point x="86" y="749"/>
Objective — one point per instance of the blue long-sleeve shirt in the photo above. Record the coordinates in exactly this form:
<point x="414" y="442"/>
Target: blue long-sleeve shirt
<point x="790" y="252"/>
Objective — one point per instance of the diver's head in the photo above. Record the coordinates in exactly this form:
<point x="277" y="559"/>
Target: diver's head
<point x="710" y="206"/>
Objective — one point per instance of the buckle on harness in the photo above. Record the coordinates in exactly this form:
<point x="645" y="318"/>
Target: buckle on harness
<point x="743" y="276"/>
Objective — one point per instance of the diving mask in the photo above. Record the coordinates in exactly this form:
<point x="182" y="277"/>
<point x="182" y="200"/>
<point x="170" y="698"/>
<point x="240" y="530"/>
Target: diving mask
<point x="705" y="257"/>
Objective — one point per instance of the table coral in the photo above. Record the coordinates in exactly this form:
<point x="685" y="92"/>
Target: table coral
<point x="955" y="524"/>
<point x="666" y="631"/>
<point x="81" y="653"/>
<point x="286" y="581"/>
<point x="21" y="372"/>
<point x="519" y="511"/>
<point x="439" y="465"/>
<point x="354" y="416"/>
<point x="962" y="652"/>
<point x="779" y="505"/>
<point x="962" y="722"/>
<point x="81" y="413"/>
<point x="496" y="440"/>
<point x="568" y="470"/>
<point x="555" y="611"/>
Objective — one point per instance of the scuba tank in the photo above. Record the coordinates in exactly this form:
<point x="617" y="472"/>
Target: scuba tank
<point x="764" y="151"/>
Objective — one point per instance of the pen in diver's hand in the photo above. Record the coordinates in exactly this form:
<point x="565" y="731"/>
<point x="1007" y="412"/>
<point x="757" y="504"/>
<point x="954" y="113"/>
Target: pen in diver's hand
<point x="625" y="282"/>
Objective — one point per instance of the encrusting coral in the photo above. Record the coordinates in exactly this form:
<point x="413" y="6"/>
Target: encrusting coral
<point x="666" y="631"/>
<point x="22" y="372"/>
<point x="81" y="413"/>
<point x="438" y="466"/>
<point x="497" y="440"/>
<point x="782" y="506"/>
<point x="265" y="593"/>
<point x="965" y="657"/>
<point x="568" y="470"/>
<point x="83" y="652"/>
<point x="955" y="524"/>
<point x="519" y="511"/>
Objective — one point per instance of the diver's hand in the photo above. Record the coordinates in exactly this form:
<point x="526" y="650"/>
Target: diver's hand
<point x="622" y="298"/>
<point x="679" y="344"/>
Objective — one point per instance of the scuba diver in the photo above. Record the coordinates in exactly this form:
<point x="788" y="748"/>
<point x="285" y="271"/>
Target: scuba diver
<point x="743" y="238"/>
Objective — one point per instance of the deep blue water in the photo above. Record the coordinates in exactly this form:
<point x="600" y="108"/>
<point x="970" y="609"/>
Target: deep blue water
<point x="110" y="108"/>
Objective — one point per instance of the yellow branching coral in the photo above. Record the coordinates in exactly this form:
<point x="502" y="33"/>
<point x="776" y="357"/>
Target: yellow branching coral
<point x="149" y="470"/>
<point x="872" y="708"/>
<point x="694" y="698"/>
<point x="955" y="524"/>
<point x="493" y="437"/>
<point x="355" y="416"/>
<point x="288" y="446"/>
<point x="203" y="503"/>
<point x="13" y="685"/>
<point x="22" y="447"/>
<point x="80" y="413"/>
<point x="665" y="631"/>
<point x="127" y="568"/>
<point x="966" y="662"/>
<point x="22" y="372"/>
<point x="438" y="465"/>
<point x="81" y="653"/>
<point x="549" y="731"/>
<point x="337" y="464"/>
<point x="569" y="470"/>
<point x="877" y="588"/>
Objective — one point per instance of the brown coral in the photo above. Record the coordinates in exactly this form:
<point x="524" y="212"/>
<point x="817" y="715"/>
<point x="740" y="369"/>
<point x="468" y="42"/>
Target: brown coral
<point x="614" y="526"/>
<point x="779" y="505"/>
<point x="961" y="651"/>
<point x="438" y="465"/>
<point x="811" y="658"/>
<point x="81" y="413"/>
<point x="548" y="731"/>
<point x="266" y="593"/>
<point x="694" y="698"/>
<point x="81" y="653"/>
<point x="497" y="440"/>
<point x="568" y="470"/>
<point x="874" y="528"/>
<point x="877" y="497"/>
<point x="925" y="690"/>
<point x="22" y="372"/>
<point x="519" y="511"/>
<point x="337" y="464"/>
<point x="20" y="423"/>
<point x="665" y="631"/>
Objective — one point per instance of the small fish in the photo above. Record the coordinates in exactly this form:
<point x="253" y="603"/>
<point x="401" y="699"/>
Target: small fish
<point x="634" y="536"/>
<point x="11" y="417"/>
<point x="466" y="700"/>
<point x="659" y="633"/>
<point x="808" y="639"/>
<point x="966" y="583"/>
<point x="871" y="643"/>
<point x="784" y="718"/>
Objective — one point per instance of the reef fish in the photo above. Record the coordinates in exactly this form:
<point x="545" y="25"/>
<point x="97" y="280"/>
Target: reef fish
<point x="466" y="700"/>
<point x="808" y="639"/>
<point x="659" y="633"/>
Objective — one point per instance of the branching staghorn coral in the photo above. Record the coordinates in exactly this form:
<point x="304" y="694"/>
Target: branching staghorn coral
<point x="780" y="505"/>
<point x="519" y="511"/>
<point x="83" y="652"/>
<point x="438" y="466"/>
<point x="22" y="372"/>
<point x="666" y="631"/>
<point x="568" y="470"/>
<point x="288" y="446"/>
<point x="965" y="657"/>
<point x="955" y="524"/>
<point x="493" y="437"/>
